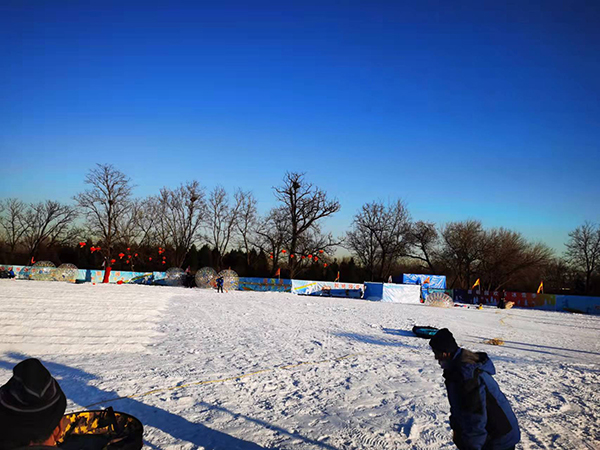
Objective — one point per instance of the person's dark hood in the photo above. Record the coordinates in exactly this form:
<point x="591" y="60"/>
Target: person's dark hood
<point x="467" y="362"/>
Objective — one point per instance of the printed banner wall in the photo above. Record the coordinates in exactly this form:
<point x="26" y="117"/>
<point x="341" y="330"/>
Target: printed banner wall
<point x="577" y="304"/>
<point x="388" y="292"/>
<point x="435" y="281"/>
<point x="520" y="299"/>
<point x="307" y="287"/>
<point x="391" y="292"/>
<point x="475" y="297"/>
<point x="122" y="277"/>
<point x="373" y="291"/>
<point x="96" y="276"/>
<point x="401" y="293"/>
<point x="532" y="300"/>
<point x="265" y="284"/>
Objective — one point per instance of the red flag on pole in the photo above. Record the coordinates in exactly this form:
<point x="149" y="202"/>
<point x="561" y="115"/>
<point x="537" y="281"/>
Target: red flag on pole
<point x="278" y="273"/>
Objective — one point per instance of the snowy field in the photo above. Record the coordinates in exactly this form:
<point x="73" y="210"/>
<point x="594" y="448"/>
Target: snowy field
<point x="271" y="370"/>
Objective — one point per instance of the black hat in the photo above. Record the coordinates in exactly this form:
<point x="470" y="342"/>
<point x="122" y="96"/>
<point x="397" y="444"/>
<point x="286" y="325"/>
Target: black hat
<point x="31" y="402"/>
<point x="443" y="342"/>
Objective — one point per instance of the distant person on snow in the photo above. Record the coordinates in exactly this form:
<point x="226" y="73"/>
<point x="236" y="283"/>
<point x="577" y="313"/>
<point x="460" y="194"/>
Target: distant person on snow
<point x="220" y="282"/>
<point x="480" y="415"/>
<point x="32" y="405"/>
<point x="189" y="278"/>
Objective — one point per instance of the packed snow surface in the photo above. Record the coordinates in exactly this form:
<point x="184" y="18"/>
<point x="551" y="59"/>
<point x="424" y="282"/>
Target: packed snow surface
<point x="251" y="370"/>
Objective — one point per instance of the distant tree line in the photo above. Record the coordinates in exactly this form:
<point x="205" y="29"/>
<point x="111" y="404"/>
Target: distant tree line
<point x="186" y="226"/>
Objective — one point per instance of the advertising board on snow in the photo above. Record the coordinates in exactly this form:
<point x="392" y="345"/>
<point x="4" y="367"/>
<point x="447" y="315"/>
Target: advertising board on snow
<point x="308" y="287"/>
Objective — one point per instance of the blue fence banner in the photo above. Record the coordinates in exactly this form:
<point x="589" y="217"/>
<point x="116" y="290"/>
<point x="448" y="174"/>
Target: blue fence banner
<point x="265" y="284"/>
<point x="435" y="281"/>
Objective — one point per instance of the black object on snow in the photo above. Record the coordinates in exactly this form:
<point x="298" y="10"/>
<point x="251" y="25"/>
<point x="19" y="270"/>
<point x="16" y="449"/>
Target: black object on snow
<point x="424" y="332"/>
<point x="102" y="430"/>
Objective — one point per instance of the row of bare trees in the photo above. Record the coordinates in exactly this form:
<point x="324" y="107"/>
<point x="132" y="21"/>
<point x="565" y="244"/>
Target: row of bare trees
<point x="385" y="240"/>
<point x="383" y="237"/>
<point x="31" y="225"/>
<point x="176" y="218"/>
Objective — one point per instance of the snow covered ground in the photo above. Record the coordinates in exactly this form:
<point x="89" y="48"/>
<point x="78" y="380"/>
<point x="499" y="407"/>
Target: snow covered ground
<point x="274" y="370"/>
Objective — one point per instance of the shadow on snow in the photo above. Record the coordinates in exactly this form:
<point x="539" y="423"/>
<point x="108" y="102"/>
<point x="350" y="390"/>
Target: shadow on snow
<point x="74" y="383"/>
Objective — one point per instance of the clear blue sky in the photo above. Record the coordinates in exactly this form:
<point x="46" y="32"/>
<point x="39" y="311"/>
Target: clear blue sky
<point x="481" y="110"/>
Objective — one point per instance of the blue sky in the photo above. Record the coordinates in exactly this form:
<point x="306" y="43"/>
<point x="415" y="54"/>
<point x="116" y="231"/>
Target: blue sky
<point x="481" y="110"/>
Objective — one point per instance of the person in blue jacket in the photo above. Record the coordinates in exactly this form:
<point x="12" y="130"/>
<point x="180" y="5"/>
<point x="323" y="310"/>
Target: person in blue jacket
<point x="480" y="415"/>
<point x="220" y="282"/>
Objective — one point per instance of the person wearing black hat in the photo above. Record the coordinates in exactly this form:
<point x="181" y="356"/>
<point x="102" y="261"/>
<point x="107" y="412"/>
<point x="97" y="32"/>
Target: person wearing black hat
<point x="480" y="415"/>
<point x="32" y="406"/>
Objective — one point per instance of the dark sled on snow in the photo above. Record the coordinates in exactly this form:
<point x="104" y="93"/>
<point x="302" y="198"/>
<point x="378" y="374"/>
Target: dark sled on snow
<point x="102" y="430"/>
<point x="424" y="332"/>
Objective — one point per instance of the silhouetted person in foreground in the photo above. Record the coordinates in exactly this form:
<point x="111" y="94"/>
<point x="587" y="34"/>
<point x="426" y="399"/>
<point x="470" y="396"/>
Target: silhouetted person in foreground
<point x="32" y="405"/>
<point x="480" y="415"/>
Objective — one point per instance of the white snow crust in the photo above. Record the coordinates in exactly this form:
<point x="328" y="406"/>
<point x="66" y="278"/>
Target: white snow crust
<point x="250" y="370"/>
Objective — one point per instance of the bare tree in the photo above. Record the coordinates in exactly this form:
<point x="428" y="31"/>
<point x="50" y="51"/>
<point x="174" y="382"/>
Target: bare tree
<point x="247" y="221"/>
<point x="424" y="239"/>
<point x="363" y="244"/>
<point x="583" y="250"/>
<point x="304" y="206"/>
<point x="106" y="205"/>
<point x="48" y="223"/>
<point x="146" y="219"/>
<point x="12" y="221"/>
<point x="130" y="232"/>
<point x="506" y="256"/>
<point x="462" y="249"/>
<point x="380" y="235"/>
<point x="179" y="215"/>
<point x="222" y="220"/>
<point x="272" y="233"/>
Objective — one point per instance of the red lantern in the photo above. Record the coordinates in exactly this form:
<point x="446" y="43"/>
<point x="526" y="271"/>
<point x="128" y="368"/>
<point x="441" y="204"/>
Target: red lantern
<point x="112" y="261"/>
<point x="135" y="255"/>
<point x="271" y="256"/>
<point x="309" y="256"/>
<point x="150" y="259"/>
<point x="320" y="251"/>
<point x="129" y="256"/>
<point x="121" y="255"/>
<point x="127" y="261"/>
<point x="303" y="257"/>
<point x="282" y="251"/>
<point x="128" y="249"/>
<point x="325" y="265"/>
<point x="291" y="256"/>
<point x="164" y="262"/>
<point x="316" y="259"/>
<point x="92" y="249"/>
